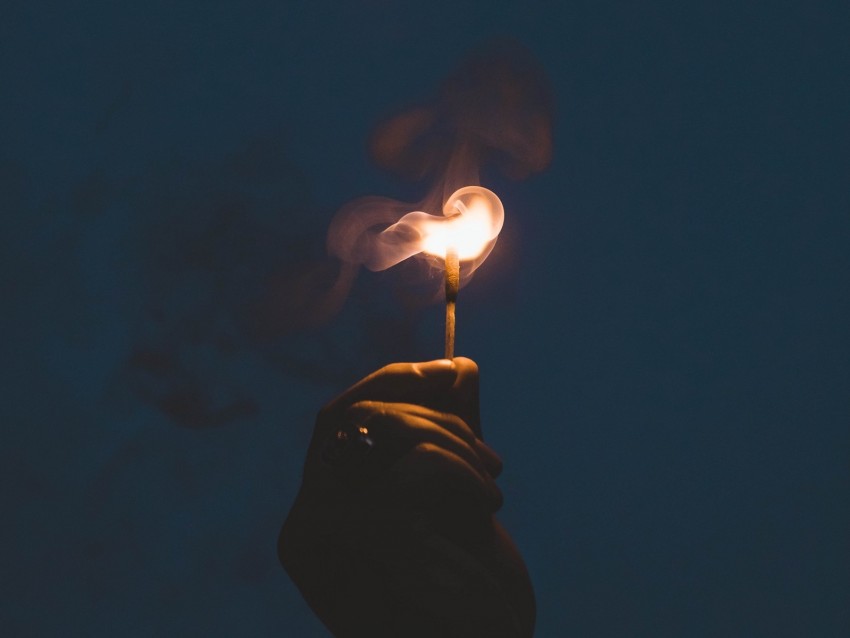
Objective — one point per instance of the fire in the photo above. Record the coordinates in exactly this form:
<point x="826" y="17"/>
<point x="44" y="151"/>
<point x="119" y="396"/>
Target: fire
<point x="473" y="217"/>
<point x="471" y="221"/>
<point x="379" y="233"/>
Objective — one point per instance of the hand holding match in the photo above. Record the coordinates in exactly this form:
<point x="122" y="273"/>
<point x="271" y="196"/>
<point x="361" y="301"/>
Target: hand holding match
<point x="393" y="531"/>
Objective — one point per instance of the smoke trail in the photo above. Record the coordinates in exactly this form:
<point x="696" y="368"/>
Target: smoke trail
<point x="495" y="110"/>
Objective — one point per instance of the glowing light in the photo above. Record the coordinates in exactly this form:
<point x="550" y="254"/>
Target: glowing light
<point x="471" y="221"/>
<point x="473" y="217"/>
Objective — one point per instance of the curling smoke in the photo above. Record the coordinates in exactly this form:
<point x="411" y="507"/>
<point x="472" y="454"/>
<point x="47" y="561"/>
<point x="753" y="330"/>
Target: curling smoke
<point x="471" y="221"/>
<point x="495" y="109"/>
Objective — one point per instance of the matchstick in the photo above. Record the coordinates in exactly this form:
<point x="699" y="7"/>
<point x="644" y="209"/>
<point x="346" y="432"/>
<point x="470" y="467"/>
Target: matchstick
<point x="452" y="285"/>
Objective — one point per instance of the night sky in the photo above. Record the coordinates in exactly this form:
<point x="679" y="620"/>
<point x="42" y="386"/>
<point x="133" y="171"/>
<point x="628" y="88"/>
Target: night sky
<point x="662" y="329"/>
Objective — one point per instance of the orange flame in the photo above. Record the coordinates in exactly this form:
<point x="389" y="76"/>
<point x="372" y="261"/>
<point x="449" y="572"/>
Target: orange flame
<point x="495" y="109"/>
<point x="378" y="233"/>
<point x="471" y="221"/>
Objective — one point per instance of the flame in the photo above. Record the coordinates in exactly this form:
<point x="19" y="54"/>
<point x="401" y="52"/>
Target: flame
<point x="495" y="109"/>
<point x="471" y="221"/>
<point x="473" y="218"/>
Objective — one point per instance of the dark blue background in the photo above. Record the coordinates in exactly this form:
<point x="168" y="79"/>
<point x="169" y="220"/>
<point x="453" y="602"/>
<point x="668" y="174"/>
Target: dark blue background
<point x="662" y="329"/>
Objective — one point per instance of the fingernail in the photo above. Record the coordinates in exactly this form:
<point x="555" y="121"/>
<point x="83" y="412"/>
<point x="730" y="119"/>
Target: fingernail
<point x="436" y="367"/>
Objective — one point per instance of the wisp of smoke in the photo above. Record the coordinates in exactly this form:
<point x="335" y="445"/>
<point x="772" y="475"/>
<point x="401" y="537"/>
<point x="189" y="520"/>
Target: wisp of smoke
<point x="495" y="109"/>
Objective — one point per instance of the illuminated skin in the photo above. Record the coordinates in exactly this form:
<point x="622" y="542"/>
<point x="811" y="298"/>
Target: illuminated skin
<point x="405" y="542"/>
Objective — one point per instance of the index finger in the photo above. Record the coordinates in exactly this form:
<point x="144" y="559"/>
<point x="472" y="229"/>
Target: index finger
<point x="422" y="383"/>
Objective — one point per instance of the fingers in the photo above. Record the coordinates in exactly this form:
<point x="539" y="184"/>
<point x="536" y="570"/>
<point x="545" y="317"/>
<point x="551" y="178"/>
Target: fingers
<point x="443" y="384"/>
<point x="423" y="418"/>
<point x="414" y="425"/>
<point x="492" y="461"/>
<point x="451" y="423"/>
<point x="417" y="423"/>
<point x="436" y="476"/>
<point x="422" y="383"/>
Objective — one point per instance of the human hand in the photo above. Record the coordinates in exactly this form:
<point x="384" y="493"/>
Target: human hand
<point x="392" y="532"/>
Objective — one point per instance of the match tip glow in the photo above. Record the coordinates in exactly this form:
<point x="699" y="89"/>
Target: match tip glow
<point x="473" y="217"/>
<point x="471" y="220"/>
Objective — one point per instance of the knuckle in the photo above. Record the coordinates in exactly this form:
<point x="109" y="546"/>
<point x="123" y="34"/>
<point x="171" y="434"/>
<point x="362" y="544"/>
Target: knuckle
<point x="458" y="426"/>
<point x="367" y="411"/>
<point x="467" y="364"/>
<point x="428" y="452"/>
<point x="399" y="369"/>
<point x="362" y="406"/>
<point x="462" y="426"/>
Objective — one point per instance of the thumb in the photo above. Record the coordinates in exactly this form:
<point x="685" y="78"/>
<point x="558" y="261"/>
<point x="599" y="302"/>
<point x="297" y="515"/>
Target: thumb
<point x="464" y="394"/>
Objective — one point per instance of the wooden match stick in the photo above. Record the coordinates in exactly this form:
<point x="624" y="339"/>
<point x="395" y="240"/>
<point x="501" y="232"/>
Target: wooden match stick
<point x="452" y="285"/>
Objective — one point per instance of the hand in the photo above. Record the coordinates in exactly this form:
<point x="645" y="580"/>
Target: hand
<point x="392" y="532"/>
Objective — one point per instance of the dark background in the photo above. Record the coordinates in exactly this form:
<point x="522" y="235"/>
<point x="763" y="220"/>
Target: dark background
<point x="662" y="329"/>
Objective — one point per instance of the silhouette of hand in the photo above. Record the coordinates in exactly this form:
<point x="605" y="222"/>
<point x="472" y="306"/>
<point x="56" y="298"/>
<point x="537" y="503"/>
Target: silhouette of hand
<point x="392" y="532"/>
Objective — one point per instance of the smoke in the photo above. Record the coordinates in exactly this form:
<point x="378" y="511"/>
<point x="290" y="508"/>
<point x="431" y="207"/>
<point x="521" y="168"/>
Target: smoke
<point x="232" y="251"/>
<point x="494" y="110"/>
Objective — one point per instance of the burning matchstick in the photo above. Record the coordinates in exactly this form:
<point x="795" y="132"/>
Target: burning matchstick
<point x="465" y="232"/>
<point x="452" y="285"/>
